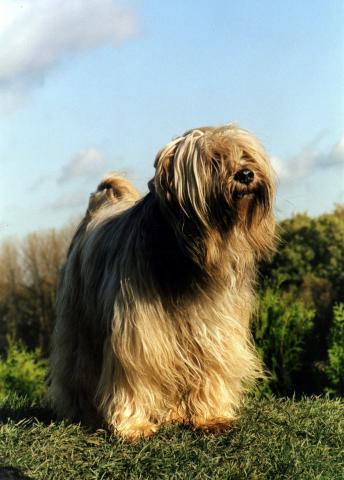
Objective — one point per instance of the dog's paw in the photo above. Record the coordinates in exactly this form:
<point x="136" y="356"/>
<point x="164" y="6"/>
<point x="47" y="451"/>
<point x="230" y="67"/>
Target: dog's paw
<point x="135" y="432"/>
<point x="177" y="415"/>
<point x="213" y="425"/>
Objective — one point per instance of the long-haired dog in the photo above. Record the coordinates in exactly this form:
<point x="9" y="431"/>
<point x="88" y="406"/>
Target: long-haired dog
<point x="155" y="299"/>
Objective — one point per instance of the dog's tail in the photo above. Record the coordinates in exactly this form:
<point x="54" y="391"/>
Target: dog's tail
<point x="118" y="187"/>
<point x="112" y="189"/>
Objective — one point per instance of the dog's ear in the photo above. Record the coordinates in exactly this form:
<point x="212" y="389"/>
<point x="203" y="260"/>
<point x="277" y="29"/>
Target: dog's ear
<point x="163" y="183"/>
<point x="184" y="183"/>
<point x="184" y="175"/>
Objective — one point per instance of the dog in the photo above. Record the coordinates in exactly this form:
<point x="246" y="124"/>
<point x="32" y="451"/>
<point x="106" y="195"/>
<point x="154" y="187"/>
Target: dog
<point x="155" y="299"/>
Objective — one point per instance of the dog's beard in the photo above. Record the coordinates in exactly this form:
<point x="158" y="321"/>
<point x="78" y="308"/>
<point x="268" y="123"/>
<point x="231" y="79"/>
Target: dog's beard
<point x="245" y="215"/>
<point x="252" y="216"/>
<point x="252" y="202"/>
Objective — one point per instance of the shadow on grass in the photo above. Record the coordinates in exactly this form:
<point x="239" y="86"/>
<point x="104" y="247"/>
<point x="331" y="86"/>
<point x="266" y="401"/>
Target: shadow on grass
<point x="17" y="408"/>
<point x="12" y="473"/>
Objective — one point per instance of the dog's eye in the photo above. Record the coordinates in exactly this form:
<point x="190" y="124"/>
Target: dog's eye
<point x="216" y="160"/>
<point x="245" y="158"/>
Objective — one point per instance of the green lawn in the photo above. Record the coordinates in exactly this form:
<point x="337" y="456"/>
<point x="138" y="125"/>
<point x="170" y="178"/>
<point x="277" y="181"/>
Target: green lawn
<point x="275" y="439"/>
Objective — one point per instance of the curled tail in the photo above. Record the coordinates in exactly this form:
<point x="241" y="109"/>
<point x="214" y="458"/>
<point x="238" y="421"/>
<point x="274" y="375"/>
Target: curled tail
<point x="112" y="190"/>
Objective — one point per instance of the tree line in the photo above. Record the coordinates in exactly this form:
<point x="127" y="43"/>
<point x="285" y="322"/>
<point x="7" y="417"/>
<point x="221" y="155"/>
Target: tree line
<point x="29" y="272"/>
<point x="299" y="324"/>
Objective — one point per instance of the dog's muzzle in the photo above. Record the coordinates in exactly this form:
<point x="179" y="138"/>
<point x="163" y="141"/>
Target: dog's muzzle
<point x="245" y="183"/>
<point x="244" y="176"/>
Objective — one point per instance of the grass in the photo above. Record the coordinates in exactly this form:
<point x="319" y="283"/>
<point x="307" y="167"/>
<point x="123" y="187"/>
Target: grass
<point x="274" y="439"/>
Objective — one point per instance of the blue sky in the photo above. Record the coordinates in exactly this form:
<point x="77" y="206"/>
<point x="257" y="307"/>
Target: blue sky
<point x="90" y="86"/>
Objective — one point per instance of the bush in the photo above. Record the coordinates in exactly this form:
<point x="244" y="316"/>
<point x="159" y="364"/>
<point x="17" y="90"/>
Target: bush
<point x="335" y="367"/>
<point x="280" y="332"/>
<point x="22" y="372"/>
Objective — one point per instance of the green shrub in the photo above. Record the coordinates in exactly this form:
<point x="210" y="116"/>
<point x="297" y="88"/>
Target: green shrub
<point x="22" y="372"/>
<point x="335" y="367"/>
<point x="280" y="332"/>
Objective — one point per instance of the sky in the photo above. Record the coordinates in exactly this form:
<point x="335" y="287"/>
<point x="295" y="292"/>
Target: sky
<point x="92" y="86"/>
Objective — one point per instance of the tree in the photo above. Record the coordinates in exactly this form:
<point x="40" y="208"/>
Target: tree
<point x="10" y="287"/>
<point x="29" y="272"/>
<point x="280" y="331"/>
<point x="309" y="266"/>
<point x="335" y="366"/>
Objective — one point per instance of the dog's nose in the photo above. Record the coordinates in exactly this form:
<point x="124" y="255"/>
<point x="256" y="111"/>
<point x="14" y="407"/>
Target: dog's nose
<point x="245" y="176"/>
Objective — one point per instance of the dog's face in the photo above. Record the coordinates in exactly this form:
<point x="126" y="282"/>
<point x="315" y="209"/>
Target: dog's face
<point x="216" y="177"/>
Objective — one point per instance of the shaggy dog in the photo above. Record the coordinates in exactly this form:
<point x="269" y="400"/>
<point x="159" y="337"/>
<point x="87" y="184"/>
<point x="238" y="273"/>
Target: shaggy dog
<point x="156" y="295"/>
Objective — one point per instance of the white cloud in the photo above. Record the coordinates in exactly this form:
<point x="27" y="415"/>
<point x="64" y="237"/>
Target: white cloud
<point x="337" y="154"/>
<point x="11" y="99"/>
<point x="83" y="165"/>
<point x="35" y="35"/>
<point x="39" y="182"/>
<point x="281" y="168"/>
<point x="308" y="160"/>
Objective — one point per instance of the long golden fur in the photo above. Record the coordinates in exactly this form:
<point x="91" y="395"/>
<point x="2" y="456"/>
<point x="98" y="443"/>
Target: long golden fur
<point x="155" y="299"/>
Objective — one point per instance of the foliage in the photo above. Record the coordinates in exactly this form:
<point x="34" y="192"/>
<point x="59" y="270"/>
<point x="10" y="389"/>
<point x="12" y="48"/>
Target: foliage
<point x="310" y="246"/>
<point x="309" y="266"/>
<point x="274" y="439"/>
<point x="335" y="367"/>
<point x="280" y="330"/>
<point x="22" y="372"/>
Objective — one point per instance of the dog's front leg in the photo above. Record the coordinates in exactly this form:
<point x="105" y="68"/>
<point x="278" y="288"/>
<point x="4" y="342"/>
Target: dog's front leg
<point x="129" y="401"/>
<point x="212" y="406"/>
